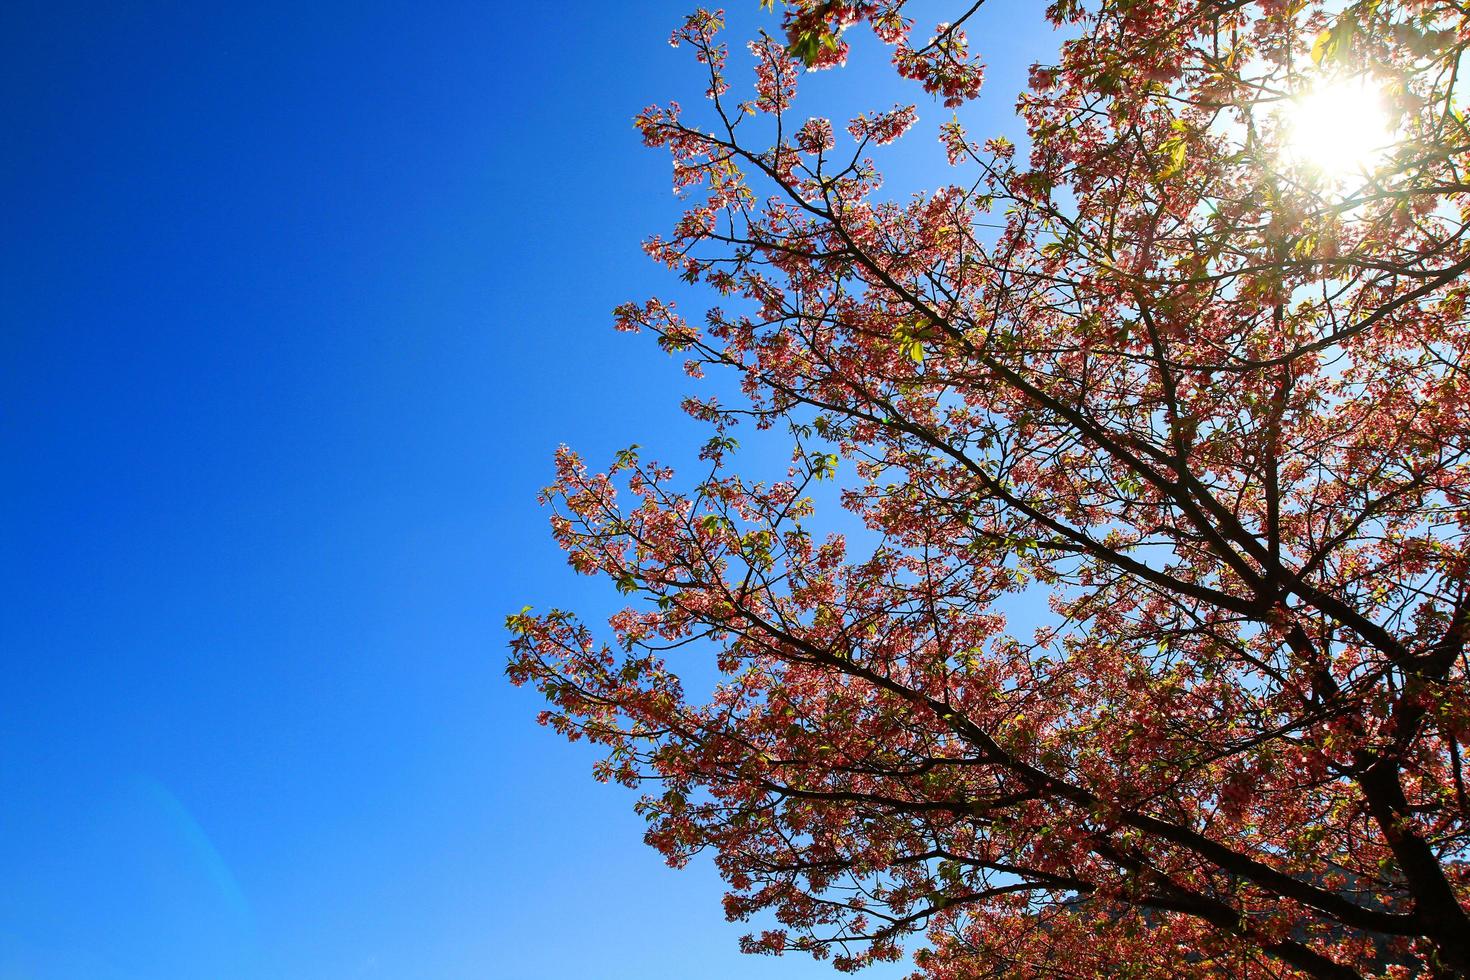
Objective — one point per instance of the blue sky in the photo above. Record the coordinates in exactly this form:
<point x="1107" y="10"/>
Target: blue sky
<point x="298" y="299"/>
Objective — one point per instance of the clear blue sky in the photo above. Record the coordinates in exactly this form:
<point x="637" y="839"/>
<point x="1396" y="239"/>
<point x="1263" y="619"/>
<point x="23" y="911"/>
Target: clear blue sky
<point x="297" y="301"/>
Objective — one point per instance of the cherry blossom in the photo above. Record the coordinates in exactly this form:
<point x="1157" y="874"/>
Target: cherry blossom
<point x="1203" y="404"/>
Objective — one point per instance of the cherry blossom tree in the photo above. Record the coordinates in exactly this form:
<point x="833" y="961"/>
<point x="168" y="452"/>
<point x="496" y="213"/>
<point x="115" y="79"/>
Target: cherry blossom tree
<point x="1180" y="372"/>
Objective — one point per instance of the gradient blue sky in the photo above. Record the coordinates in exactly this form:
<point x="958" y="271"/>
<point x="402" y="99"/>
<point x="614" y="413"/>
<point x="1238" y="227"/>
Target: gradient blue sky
<point x="298" y="298"/>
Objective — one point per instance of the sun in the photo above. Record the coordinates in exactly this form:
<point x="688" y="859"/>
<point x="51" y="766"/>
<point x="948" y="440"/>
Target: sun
<point x="1339" y="128"/>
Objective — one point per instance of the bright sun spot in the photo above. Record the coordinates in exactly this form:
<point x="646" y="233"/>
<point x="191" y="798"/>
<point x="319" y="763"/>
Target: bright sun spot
<point x="1339" y="128"/>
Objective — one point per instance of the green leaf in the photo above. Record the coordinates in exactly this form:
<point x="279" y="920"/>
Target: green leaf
<point x="824" y="465"/>
<point x="807" y="47"/>
<point x="1319" y="46"/>
<point x="1334" y="43"/>
<point x="1177" y="149"/>
<point x="910" y="338"/>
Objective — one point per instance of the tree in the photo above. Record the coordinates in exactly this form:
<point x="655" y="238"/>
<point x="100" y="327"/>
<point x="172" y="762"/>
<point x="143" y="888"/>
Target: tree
<point x="1200" y="391"/>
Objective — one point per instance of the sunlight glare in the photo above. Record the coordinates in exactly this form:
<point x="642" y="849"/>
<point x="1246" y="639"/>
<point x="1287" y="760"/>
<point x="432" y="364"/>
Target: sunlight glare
<point x="1340" y="128"/>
